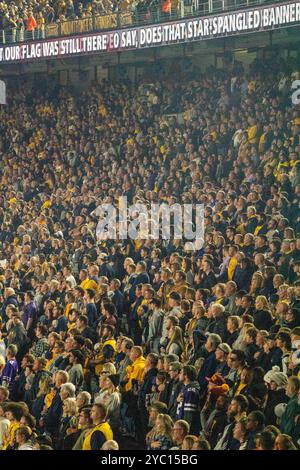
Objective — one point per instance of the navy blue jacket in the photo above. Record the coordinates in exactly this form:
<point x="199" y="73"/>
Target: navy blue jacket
<point x="118" y="301"/>
<point x="142" y="278"/>
<point x="207" y="370"/>
<point x="12" y="300"/>
<point x="146" y="387"/>
<point x="54" y="414"/>
<point x="242" y="278"/>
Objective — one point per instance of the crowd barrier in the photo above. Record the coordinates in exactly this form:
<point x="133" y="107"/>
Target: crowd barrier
<point x="132" y="17"/>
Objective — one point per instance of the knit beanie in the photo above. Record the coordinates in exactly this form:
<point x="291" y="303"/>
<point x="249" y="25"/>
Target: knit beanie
<point x="275" y="375"/>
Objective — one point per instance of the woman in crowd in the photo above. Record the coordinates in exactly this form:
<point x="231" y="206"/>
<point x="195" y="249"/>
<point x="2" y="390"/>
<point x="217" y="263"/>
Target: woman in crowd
<point x="68" y="423"/>
<point x="4" y="424"/>
<point x="162" y="437"/>
<point x="284" y="442"/>
<point x="84" y="320"/>
<point x="263" y="319"/>
<point x="175" y="344"/>
<point x="240" y="433"/>
<point x="109" y="396"/>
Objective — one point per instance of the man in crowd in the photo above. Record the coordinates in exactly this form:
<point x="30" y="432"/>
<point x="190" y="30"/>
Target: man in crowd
<point x="60" y="286"/>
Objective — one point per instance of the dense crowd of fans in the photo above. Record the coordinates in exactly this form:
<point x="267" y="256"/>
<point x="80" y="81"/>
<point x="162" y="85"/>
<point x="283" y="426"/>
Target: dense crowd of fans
<point x="25" y="18"/>
<point x="122" y="343"/>
<point x="22" y="20"/>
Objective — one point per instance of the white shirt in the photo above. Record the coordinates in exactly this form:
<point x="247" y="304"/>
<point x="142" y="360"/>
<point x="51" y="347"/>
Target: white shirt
<point x="4" y="425"/>
<point x="72" y="280"/>
<point x="26" y="446"/>
<point x="2" y="350"/>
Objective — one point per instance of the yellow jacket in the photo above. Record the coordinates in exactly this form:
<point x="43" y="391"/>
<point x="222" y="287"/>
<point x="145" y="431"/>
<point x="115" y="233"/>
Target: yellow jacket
<point x="231" y="268"/>
<point x="12" y="434"/>
<point x="240" y="388"/>
<point x="49" y="398"/>
<point x="99" y="367"/>
<point x="104" y="428"/>
<point x="89" y="284"/>
<point x="252" y="134"/>
<point x="261" y="144"/>
<point x="67" y="309"/>
<point x="257" y="230"/>
<point x="135" y="372"/>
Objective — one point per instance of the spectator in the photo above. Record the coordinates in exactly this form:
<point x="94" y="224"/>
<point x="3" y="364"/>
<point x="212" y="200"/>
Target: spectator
<point x="180" y="431"/>
<point x="11" y="368"/>
<point x="31" y="23"/>
<point x="288" y="423"/>
<point x="189" y="399"/>
<point x="4" y="424"/>
<point x="162" y="438"/>
<point x="255" y="424"/>
<point x="284" y="442"/>
<point x="101" y="432"/>
<point x="105" y="317"/>
<point x="76" y="360"/>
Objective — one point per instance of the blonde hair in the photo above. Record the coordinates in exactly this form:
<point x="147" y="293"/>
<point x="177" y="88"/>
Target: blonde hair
<point x="167" y="423"/>
<point x="246" y="326"/>
<point x="177" y="337"/>
<point x="71" y="406"/>
<point x="264" y="301"/>
<point x="221" y="286"/>
<point x="44" y="385"/>
<point x="258" y="275"/>
<point x="283" y="288"/>
<point x="190" y="440"/>
<point x="190" y="294"/>
<point x="110" y="368"/>
<point x="110" y="445"/>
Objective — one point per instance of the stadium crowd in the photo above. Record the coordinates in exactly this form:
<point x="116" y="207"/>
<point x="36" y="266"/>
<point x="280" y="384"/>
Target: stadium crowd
<point x="108" y="344"/>
<point x="23" y="20"/>
<point x="27" y="19"/>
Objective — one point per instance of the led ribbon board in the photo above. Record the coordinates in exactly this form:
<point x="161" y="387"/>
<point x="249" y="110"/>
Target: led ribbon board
<point x="272" y="17"/>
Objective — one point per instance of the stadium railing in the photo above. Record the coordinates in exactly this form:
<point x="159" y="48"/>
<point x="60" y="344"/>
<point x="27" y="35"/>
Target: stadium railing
<point x="132" y="16"/>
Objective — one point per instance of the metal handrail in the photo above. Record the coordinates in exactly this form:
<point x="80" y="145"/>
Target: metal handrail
<point x="129" y="17"/>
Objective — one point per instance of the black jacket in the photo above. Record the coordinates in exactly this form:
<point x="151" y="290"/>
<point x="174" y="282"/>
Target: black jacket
<point x="208" y="281"/>
<point x="242" y="278"/>
<point x="174" y="388"/>
<point x="275" y="356"/>
<point x="118" y="301"/>
<point x="215" y="425"/>
<point x="146" y="387"/>
<point x="274" y="398"/>
<point x="250" y="350"/>
<point x="263" y="319"/>
<point x="207" y="370"/>
<point x="232" y="337"/>
<point x="90" y="333"/>
<point x="218" y="326"/>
